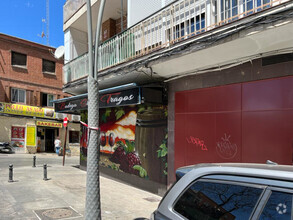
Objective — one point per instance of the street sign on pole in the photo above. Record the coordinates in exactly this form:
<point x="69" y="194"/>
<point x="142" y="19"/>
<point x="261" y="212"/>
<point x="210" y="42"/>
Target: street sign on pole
<point x="65" y="122"/>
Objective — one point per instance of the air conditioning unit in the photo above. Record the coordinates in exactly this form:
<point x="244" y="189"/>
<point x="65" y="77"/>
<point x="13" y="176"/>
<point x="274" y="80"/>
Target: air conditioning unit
<point x="75" y="117"/>
<point x="60" y="116"/>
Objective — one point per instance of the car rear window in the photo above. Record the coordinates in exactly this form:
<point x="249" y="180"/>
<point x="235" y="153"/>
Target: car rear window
<point x="213" y="200"/>
<point x="279" y="207"/>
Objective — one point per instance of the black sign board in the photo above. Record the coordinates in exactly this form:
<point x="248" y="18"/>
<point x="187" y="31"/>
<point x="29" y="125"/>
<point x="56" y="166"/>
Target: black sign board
<point x="115" y="99"/>
<point x="121" y="98"/>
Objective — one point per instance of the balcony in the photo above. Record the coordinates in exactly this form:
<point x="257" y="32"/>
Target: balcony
<point x="71" y="7"/>
<point x="182" y="20"/>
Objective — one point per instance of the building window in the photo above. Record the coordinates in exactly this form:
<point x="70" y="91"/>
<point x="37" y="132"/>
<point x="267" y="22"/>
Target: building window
<point x="48" y="66"/>
<point x="18" y="59"/>
<point x="73" y="136"/>
<point x="18" y="95"/>
<point x="47" y="99"/>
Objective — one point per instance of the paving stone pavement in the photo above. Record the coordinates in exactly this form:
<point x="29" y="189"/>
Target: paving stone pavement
<point x="64" y="195"/>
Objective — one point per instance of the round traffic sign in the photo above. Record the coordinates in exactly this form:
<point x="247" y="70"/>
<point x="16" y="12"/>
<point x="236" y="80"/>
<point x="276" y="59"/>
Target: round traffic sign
<point x="65" y="122"/>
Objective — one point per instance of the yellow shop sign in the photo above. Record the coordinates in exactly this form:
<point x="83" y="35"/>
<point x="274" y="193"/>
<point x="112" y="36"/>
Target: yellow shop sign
<point x="31" y="135"/>
<point x="49" y="124"/>
<point x="26" y="110"/>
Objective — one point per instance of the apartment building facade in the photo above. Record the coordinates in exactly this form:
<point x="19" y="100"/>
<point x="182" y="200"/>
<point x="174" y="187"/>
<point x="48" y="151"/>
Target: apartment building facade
<point x="30" y="78"/>
<point x="225" y="67"/>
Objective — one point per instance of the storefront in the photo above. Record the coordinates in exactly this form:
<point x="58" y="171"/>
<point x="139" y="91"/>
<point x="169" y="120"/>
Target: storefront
<point x="46" y="133"/>
<point x="133" y="137"/>
<point x="32" y="129"/>
<point x="249" y="122"/>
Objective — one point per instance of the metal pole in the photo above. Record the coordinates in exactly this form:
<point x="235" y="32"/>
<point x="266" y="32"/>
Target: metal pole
<point x="45" y="172"/>
<point x="10" y="173"/>
<point x="93" y="205"/>
<point x="97" y="40"/>
<point x="64" y="148"/>
<point x="121" y="15"/>
<point x="34" y="161"/>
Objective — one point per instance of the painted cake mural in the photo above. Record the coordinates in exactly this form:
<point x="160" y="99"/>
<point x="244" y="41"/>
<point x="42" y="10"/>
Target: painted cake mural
<point x="132" y="140"/>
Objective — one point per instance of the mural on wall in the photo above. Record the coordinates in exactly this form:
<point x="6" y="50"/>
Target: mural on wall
<point x="132" y="140"/>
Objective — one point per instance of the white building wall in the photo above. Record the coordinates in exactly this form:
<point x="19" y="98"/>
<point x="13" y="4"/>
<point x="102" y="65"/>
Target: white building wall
<point x="140" y="9"/>
<point x="167" y="2"/>
<point x="75" y="43"/>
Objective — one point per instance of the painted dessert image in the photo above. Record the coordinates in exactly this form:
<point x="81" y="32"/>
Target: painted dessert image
<point x="49" y="112"/>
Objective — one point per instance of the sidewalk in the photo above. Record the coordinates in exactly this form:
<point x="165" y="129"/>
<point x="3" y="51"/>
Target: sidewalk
<point x="63" y="195"/>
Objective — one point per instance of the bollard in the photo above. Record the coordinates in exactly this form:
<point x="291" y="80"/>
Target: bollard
<point x="34" y="161"/>
<point x="45" y="172"/>
<point x="10" y="173"/>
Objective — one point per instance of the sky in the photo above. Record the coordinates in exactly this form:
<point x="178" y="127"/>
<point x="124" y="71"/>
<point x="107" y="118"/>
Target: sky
<point x="26" y="19"/>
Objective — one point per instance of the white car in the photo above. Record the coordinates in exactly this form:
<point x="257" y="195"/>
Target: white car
<point x="229" y="191"/>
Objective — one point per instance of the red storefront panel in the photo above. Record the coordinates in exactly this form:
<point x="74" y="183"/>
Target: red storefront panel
<point x="249" y="122"/>
<point x="228" y="145"/>
<point x="223" y="98"/>
<point x="273" y="94"/>
<point x="207" y="125"/>
<point x="265" y="137"/>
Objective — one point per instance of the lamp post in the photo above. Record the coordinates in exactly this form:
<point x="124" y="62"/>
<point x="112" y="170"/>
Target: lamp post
<point x="93" y="204"/>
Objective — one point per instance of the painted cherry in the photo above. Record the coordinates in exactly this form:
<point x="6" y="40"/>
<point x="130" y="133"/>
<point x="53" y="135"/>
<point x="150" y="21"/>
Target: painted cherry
<point x="111" y="139"/>
<point x="103" y="139"/>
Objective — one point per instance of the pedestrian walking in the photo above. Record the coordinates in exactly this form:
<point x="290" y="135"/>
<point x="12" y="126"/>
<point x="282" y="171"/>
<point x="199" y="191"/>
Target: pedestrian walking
<point x="57" y="145"/>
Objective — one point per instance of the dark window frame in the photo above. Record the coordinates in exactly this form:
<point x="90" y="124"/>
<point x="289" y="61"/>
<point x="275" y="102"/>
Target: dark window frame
<point x="45" y="99"/>
<point x="48" y="66"/>
<point x="74" y="139"/>
<point x="18" y="99"/>
<point x="18" y="59"/>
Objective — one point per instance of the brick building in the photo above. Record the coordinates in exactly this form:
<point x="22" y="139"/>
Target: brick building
<point x="30" y="78"/>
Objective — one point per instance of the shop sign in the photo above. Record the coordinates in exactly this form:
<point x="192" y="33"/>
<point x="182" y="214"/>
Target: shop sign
<point x="49" y="124"/>
<point x="115" y="99"/>
<point x="125" y="97"/>
<point x="31" y="135"/>
<point x="26" y="110"/>
<point x="72" y="105"/>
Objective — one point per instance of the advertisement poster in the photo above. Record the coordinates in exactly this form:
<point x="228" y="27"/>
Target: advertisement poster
<point x="133" y="140"/>
<point x="31" y="135"/>
<point x="26" y="110"/>
<point x="17" y="136"/>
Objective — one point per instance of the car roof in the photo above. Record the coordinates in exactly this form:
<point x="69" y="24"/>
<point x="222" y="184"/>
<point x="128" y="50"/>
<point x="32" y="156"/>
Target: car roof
<point x="183" y="170"/>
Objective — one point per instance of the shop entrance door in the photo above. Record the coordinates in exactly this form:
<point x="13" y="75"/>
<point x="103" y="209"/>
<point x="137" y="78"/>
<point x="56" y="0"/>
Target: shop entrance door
<point x="49" y="140"/>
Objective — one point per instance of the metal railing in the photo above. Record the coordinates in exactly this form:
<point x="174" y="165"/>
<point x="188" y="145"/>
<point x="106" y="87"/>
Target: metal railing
<point x="180" y="20"/>
<point x="76" y="69"/>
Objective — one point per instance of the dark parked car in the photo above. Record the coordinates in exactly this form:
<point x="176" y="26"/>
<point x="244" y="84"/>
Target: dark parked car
<point x="229" y="191"/>
<point x="6" y="148"/>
